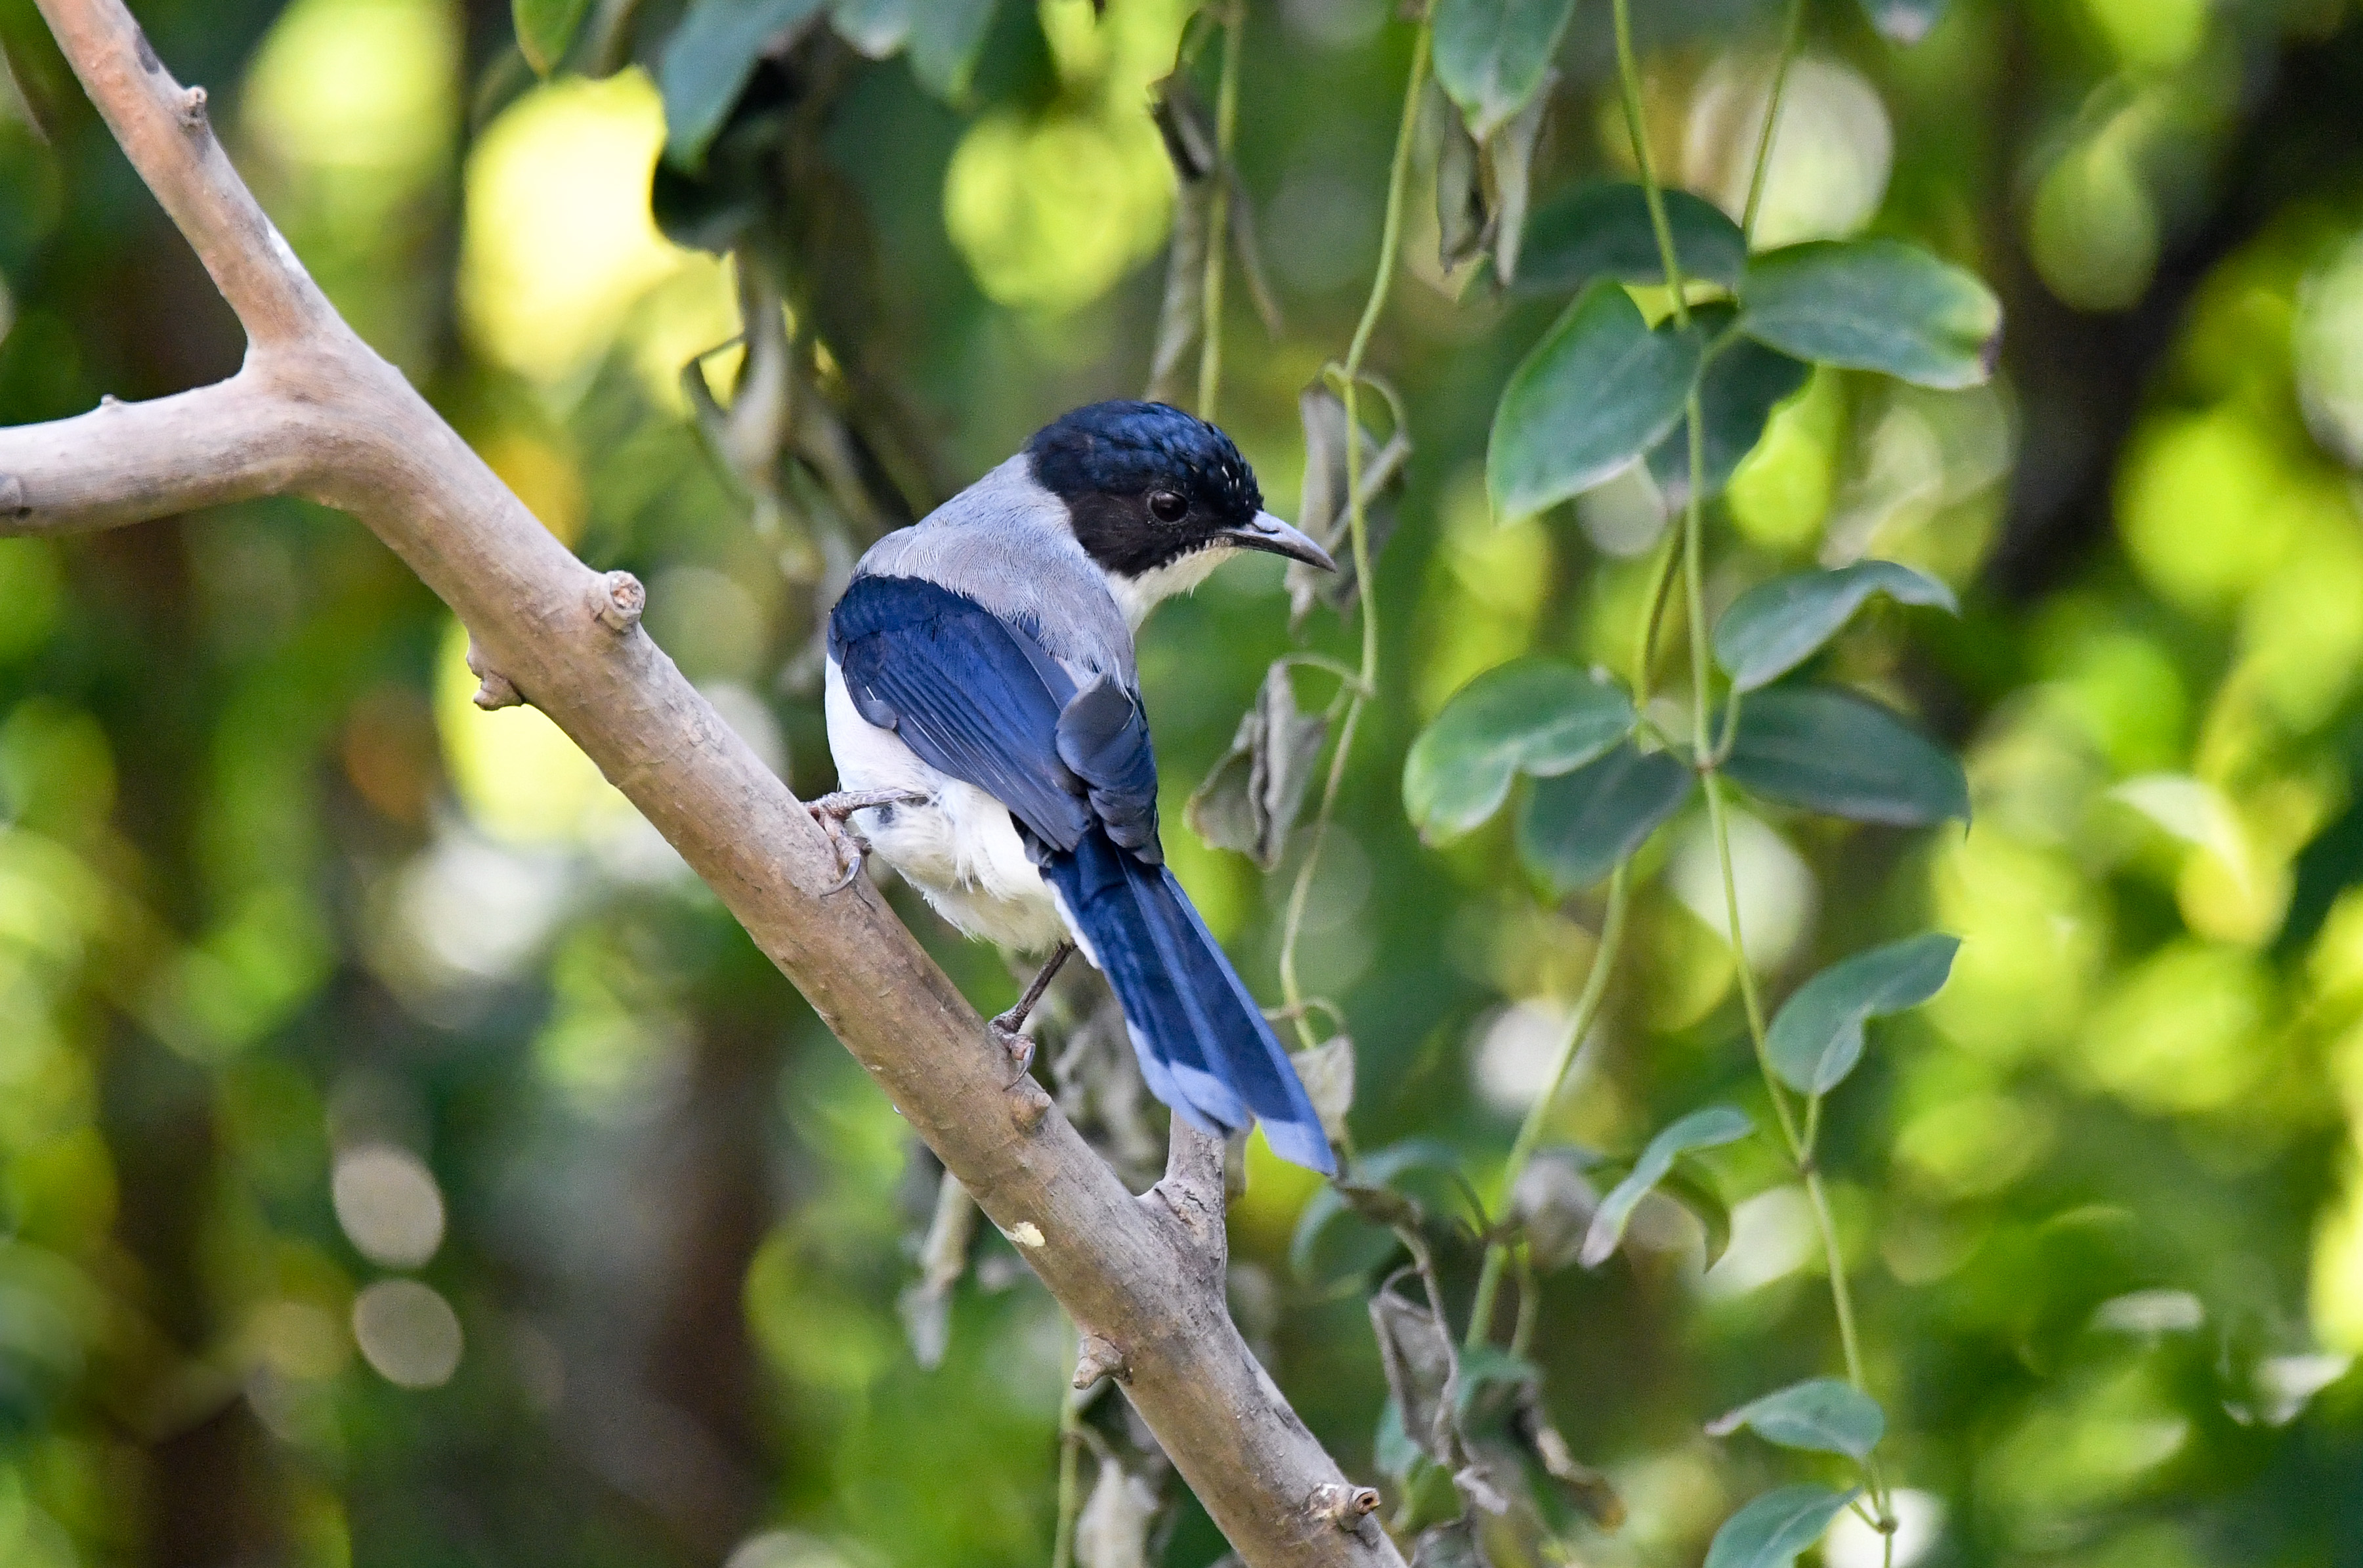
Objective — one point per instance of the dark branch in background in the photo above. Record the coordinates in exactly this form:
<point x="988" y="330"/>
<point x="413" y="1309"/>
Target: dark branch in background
<point x="315" y="412"/>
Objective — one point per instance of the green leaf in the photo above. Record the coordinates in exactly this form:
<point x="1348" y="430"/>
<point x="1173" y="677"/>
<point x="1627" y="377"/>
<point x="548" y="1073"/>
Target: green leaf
<point x="1817" y="1037"/>
<point x="1740" y="386"/>
<point x="1773" y="1529"/>
<point x="1777" y="626"/>
<point x="1534" y="716"/>
<point x="876" y="29"/>
<point x="1708" y="1129"/>
<point x="1575" y="827"/>
<point x="1874" y="304"/>
<point x="1833" y="752"/>
<point x="1687" y="1185"/>
<point x="1825" y="1415"/>
<point x="545" y="29"/>
<point x="706" y="64"/>
<point x="1602" y="230"/>
<point x="1597" y="392"/>
<point x="1491" y="55"/>
<point x="947" y="36"/>
<point x="1903" y="21"/>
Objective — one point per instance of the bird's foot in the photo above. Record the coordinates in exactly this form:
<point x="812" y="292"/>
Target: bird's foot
<point x="831" y="811"/>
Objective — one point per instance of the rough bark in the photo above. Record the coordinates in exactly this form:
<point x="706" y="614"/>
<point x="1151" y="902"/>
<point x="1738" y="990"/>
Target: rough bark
<point x="315" y="412"/>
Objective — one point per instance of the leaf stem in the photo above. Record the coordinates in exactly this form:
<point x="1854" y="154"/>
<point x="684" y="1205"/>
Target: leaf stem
<point x="1530" y="1131"/>
<point x="1628" y="77"/>
<point x="1357" y="526"/>
<point x="1219" y="212"/>
<point x="1792" y="26"/>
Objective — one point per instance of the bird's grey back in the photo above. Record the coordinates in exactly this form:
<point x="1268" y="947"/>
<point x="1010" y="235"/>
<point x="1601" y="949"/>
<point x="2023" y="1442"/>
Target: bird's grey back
<point x="1005" y="541"/>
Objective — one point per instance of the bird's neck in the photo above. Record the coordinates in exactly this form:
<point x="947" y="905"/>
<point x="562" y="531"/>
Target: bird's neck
<point x="1137" y="595"/>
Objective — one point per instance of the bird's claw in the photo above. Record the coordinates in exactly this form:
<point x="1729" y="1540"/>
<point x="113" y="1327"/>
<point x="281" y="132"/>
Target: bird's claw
<point x="1019" y="1046"/>
<point x="831" y="812"/>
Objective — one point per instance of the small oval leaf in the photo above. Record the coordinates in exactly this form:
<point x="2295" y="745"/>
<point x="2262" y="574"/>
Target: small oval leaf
<point x="1602" y="230"/>
<point x="1825" y="1415"/>
<point x="1777" y="626"/>
<point x="1817" y="1037"/>
<point x="1874" y="304"/>
<point x="1575" y="828"/>
<point x="1773" y="1529"/>
<point x="1533" y="716"/>
<point x="1831" y="751"/>
<point x="1709" y="1128"/>
<point x="1597" y="392"/>
<point x="1491" y="55"/>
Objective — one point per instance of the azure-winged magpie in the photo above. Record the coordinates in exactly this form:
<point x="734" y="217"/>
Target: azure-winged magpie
<point x="986" y="719"/>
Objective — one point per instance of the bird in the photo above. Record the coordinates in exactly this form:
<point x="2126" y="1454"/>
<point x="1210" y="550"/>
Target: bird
<point x="985" y="713"/>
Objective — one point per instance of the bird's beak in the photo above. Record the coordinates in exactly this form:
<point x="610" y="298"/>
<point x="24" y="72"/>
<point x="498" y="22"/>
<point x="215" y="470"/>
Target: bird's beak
<point x="1269" y="534"/>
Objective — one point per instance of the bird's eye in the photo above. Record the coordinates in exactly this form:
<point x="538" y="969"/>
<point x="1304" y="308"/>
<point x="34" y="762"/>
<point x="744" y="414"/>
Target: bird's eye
<point x="1167" y="507"/>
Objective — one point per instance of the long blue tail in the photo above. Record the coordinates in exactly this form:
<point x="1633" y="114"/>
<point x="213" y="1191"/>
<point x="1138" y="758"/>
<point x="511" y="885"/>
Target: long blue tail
<point x="1203" y="1044"/>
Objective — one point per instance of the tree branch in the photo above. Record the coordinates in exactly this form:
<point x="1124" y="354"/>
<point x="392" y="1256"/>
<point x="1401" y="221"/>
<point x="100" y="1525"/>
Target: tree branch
<point x="317" y="412"/>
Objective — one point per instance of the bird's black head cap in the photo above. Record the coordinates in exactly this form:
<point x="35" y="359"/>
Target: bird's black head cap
<point x="1145" y="484"/>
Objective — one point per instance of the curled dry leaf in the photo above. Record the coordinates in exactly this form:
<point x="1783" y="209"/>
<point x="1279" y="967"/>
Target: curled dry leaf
<point x="1327" y="1071"/>
<point x="1113" y="1529"/>
<point x="1553" y="1204"/>
<point x="1321" y="508"/>
<point x="1254" y="794"/>
<point x="1416" y="1354"/>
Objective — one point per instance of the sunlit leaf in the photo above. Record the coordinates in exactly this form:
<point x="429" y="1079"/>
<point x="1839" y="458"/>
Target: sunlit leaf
<point x="1874" y="304"/>
<point x="1597" y="392"/>
<point x="947" y="36"/>
<point x="1602" y="230"/>
<point x="1709" y="1128"/>
<point x="1904" y="21"/>
<point x="1833" y="752"/>
<point x="1771" y="1531"/>
<point x="1575" y="827"/>
<point x="1777" y="626"/>
<point x="1740" y="385"/>
<point x="1113" y="1529"/>
<point x="706" y="64"/>
<point x="1817" y="1037"/>
<point x="545" y="30"/>
<point x="876" y="29"/>
<point x="1491" y="55"/>
<point x="1534" y="716"/>
<point x="1825" y="1415"/>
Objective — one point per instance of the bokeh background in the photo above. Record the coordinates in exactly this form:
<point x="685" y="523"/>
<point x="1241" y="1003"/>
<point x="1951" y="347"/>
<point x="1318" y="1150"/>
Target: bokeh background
<point x="403" y="1162"/>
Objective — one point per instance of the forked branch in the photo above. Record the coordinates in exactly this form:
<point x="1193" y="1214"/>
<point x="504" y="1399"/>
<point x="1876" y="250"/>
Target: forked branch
<point x="317" y="412"/>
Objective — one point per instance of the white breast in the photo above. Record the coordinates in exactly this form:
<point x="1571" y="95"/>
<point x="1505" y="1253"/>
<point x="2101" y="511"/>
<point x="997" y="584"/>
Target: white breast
<point x="960" y="848"/>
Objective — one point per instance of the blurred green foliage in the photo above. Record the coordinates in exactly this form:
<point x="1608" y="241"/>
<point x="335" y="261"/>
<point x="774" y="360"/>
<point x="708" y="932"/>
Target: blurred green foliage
<point x="403" y="1162"/>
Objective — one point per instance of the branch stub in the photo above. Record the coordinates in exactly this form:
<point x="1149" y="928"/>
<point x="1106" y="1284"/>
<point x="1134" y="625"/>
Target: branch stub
<point x="617" y="599"/>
